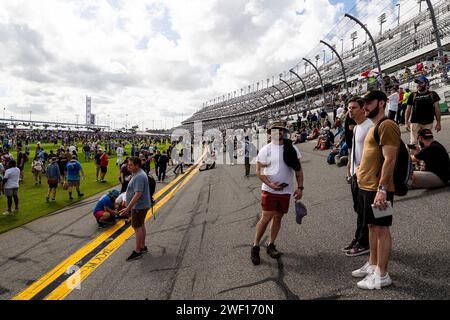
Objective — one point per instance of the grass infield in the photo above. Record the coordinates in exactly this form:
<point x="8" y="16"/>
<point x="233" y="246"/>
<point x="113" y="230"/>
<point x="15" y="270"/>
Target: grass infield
<point x="32" y="204"/>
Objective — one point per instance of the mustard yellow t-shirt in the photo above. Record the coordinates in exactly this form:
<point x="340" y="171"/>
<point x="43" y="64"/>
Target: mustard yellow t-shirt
<point x="369" y="171"/>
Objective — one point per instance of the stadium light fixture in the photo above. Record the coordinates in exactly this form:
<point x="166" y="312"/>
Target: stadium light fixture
<point x="398" y="14"/>
<point x="381" y="20"/>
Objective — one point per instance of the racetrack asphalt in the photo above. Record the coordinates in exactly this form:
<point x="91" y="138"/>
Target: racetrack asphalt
<point x="199" y="244"/>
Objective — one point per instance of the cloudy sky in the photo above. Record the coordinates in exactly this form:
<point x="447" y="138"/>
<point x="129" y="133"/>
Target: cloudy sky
<point x="157" y="61"/>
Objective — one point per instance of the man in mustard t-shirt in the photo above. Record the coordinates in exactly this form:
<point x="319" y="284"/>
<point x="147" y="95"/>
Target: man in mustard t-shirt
<point x="376" y="184"/>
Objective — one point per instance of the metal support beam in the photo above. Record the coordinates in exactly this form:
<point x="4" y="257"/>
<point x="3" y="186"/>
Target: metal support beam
<point x="320" y="78"/>
<point x="375" y="51"/>
<point x="340" y="60"/>
<point x="273" y="97"/>
<point x="284" y="99"/>
<point x="438" y="39"/>
<point x="290" y="88"/>
<point x="301" y="80"/>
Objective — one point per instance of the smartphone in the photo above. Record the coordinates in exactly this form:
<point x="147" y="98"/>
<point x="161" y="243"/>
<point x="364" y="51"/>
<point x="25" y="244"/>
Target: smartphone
<point x="283" y="185"/>
<point x="383" y="213"/>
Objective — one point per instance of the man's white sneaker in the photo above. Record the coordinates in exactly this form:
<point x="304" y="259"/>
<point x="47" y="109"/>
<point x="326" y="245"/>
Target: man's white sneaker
<point x="364" y="271"/>
<point x="374" y="281"/>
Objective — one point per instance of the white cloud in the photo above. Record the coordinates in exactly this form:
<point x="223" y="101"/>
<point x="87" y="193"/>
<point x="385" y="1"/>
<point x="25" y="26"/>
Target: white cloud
<point x="150" y="59"/>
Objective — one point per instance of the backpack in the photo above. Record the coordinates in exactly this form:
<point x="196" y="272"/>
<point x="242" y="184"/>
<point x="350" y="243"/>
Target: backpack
<point x="331" y="158"/>
<point x="403" y="167"/>
<point x="152" y="187"/>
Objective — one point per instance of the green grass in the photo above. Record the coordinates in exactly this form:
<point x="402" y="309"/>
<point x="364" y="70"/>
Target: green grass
<point x="32" y="204"/>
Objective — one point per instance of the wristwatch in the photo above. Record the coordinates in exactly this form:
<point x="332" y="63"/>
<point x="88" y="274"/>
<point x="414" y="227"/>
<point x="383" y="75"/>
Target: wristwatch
<point x="301" y="188"/>
<point x="381" y="188"/>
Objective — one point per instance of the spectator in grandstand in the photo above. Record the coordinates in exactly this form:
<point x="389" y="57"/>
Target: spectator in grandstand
<point x="53" y="177"/>
<point x="138" y="203"/>
<point x="277" y="163"/>
<point x="104" y="161"/>
<point x="36" y="168"/>
<point x="436" y="168"/>
<point x="422" y="108"/>
<point x="74" y="169"/>
<point x="97" y="161"/>
<point x="163" y="160"/>
<point x="377" y="189"/>
<point x="360" y="243"/>
<point x="11" y="187"/>
<point x="393" y="101"/>
<point x="104" y="211"/>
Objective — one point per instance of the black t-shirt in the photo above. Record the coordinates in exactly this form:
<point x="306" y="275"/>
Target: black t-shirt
<point x="163" y="160"/>
<point x="349" y="133"/>
<point x="436" y="160"/>
<point x="156" y="157"/>
<point x="62" y="162"/>
<point x="423" y="106"/>
<point x="19" y="158"/>
<point x="97" y="158"/>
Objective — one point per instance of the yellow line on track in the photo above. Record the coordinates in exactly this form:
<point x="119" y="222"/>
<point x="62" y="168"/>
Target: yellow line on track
<point x="63" y="290"/>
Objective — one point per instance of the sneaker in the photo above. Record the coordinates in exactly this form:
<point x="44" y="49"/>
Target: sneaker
<point x="101" y="225"/>
<point x="16" y="210"/>
<point x="357" y="250"/>
<point x="364" y="271"/>
<point x="70" y="198"/>
<point x="47" y="199"/>
<point x="350" y="246"/>
<point x="53" y="199"/>
<point x="134" y="256"/>
<point x="272" y="251"/>
<point x="144" y="250"/>
<point x="80" y="195"/>
<point x="7" y="213"/>
<point x="374" y="281"/>
<point x="255" y="255"/>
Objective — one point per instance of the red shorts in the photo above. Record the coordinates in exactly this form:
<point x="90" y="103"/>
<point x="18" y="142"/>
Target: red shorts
<point x="275" y="202"/>
<point x="99" y="214"/>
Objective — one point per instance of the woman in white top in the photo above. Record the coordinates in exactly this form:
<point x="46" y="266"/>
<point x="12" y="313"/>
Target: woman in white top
<point x="37" y="167"/>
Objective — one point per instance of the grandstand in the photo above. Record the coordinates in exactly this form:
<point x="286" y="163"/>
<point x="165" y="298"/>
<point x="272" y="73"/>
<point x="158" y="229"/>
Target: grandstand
<point x="399" y="47"/>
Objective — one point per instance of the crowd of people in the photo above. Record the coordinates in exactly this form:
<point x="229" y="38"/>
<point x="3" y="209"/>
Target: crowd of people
<point x="379" y="166"/>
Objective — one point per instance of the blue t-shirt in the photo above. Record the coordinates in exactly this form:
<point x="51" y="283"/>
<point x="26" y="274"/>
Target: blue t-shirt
<point x="105" y="201"/>
<point x="73" y="171"/>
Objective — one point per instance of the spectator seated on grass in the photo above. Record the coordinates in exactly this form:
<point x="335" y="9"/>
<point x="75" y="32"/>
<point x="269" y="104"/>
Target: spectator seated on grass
<point x="301" y="136"/>
<point x="314" y="134"/>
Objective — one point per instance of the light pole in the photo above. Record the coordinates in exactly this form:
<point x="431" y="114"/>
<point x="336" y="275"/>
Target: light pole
<point x="353" y="37"/>
<point x="340" y="60"/>
<point x="342" y="43"/>
<point x="126" y="122"/>
<point x="398" y="14"/>
<point x="381" y="20"/>
<point x="437" y="35"/>
<point x="4" y="110"/>
<point x="420" y="5"/>
<point x="30" y="114"/>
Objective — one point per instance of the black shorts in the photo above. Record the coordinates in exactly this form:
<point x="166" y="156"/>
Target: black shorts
<point x="366" y="199"/>
<point x="103" y="169"/>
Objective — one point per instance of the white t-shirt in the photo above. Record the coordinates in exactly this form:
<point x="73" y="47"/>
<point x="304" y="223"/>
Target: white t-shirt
<point x="340" y="112"/>
<point x="393" y="101"/>
<point x="359" y="135"/>
<point x="13" y="176"/>
<point x="277" y="171"/>
<point x="72" y="149"/>
<point x="119" y="151"/>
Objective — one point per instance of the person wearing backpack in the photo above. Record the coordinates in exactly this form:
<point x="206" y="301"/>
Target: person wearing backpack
<point x="422" y="108"/>
<point x="375" y="178"/>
